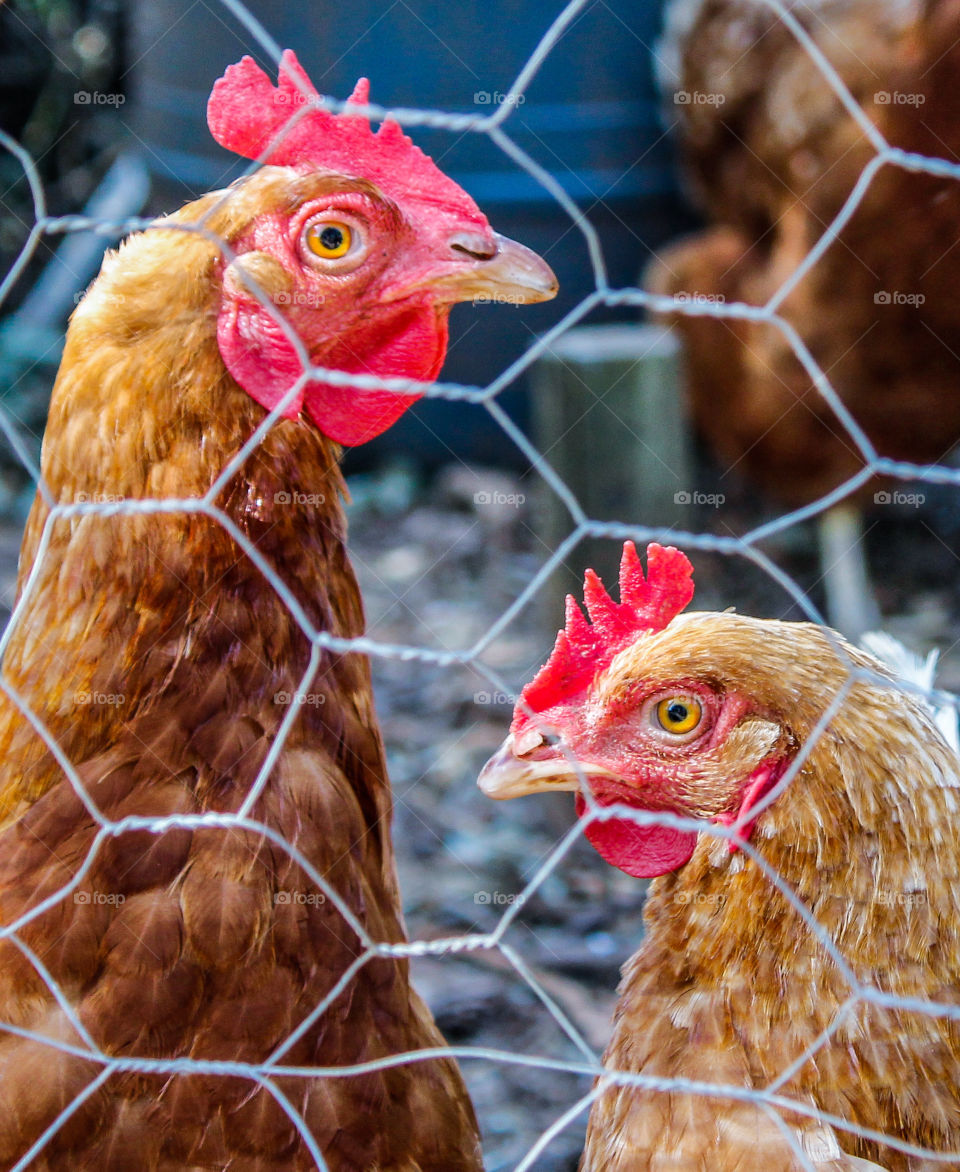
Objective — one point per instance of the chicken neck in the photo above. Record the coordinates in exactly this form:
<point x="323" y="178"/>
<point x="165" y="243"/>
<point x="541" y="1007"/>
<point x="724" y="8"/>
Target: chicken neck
<point x="129" y="614"/>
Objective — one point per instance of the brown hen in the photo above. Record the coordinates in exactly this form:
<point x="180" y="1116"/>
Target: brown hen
<point x="845" y="879"/>
<point x="773" y="156"/>
<point x="158" y="661"/>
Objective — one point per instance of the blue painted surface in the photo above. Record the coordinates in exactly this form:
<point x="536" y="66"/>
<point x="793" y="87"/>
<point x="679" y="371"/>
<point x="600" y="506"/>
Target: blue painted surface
<point x="592" y="106"/>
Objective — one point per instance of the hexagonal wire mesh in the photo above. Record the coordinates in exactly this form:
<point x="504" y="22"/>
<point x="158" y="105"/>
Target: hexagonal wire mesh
<point x="496" y="126"/>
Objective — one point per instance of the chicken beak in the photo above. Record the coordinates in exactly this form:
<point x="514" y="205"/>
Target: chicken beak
<point x="494" y="269"/>
<point x="506" y="775"/>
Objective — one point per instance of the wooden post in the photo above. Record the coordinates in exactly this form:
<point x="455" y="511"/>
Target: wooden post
<point x="610" y="417"/>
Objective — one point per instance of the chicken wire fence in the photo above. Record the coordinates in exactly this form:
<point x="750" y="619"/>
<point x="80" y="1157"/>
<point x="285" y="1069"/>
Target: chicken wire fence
<point x="588" y="1064"/>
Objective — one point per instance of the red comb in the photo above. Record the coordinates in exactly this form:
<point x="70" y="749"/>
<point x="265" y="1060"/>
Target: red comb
<point x="584" y="648"/>
<point x="247" y="114"/>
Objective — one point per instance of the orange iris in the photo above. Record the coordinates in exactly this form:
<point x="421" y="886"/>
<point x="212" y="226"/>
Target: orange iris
<point x="329" y="239"/>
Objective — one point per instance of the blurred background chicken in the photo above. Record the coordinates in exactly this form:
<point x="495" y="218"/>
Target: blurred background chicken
<point x="771" y="155"/>
<point x="163" y="665"/>
<point x="702" y="716"/>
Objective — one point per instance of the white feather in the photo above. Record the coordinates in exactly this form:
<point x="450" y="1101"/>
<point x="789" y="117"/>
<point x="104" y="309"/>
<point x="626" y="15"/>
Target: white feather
<point x="919" y="671"/>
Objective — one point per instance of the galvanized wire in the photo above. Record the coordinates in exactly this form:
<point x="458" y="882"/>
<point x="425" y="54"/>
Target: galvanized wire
<point x="496" y="126"/>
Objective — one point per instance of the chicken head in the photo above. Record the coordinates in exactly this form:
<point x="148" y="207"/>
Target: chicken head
<point x="360" y="257"/>
<point x="658" y="711"/>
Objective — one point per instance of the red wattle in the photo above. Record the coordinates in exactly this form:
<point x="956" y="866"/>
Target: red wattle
<point x="412" y="343"/>
<point x="641" y="851"/>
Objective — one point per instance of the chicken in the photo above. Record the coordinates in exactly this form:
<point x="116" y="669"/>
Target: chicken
<point x="773" y="156"/>
<point x="839" y="874"/>
<point x="153" y="671"/>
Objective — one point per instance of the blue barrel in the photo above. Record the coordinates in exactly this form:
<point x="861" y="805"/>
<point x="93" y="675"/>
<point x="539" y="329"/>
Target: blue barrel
<point x="591" y="118"/>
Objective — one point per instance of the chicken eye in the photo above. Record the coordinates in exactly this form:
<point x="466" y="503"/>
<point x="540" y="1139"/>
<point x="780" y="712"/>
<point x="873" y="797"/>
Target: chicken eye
<point x="678" y="714"/>
<point x="329" y="239"/>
